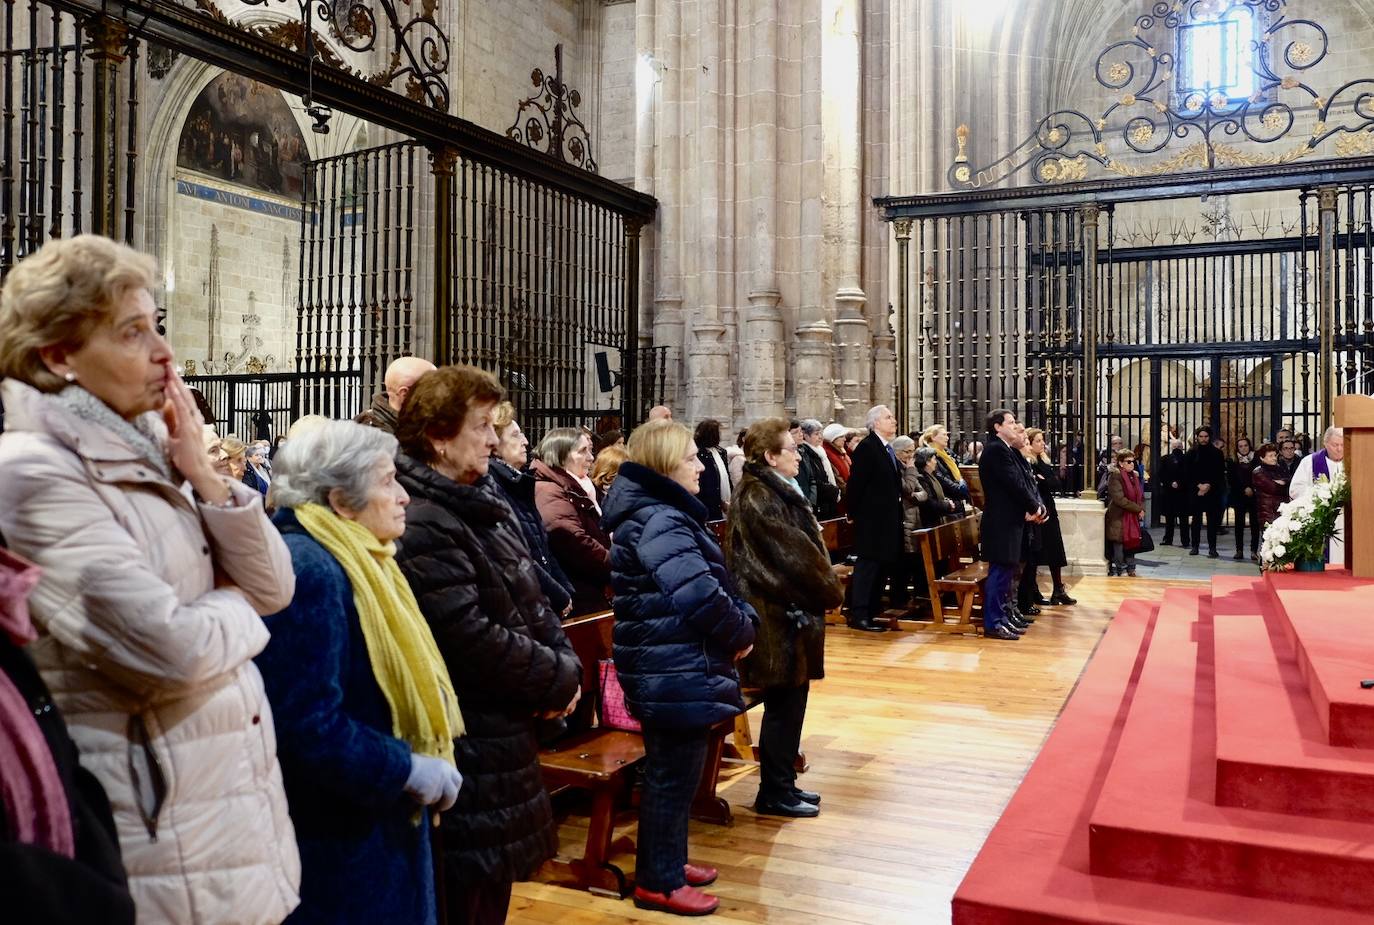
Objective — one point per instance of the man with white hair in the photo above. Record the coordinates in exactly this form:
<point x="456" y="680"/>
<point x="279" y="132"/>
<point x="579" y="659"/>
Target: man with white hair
<point x="875" y="505"/>
<point x="660" y="413"/>
<point x="1326" y="463"/>
<point x="400" y="378"/>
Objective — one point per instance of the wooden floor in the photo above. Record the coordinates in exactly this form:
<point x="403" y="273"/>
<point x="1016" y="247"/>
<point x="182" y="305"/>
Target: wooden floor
<point x="916" y="741"/>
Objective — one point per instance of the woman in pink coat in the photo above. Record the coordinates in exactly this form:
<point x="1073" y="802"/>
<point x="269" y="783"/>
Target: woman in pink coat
<point x="155" y="571"/>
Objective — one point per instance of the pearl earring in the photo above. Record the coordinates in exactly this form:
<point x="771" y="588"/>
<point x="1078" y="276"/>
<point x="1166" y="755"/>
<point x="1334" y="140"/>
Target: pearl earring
<point x="70" y="376"/>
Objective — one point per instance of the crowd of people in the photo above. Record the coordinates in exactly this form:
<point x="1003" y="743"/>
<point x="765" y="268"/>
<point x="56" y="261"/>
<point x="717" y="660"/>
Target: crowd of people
<point x="308" y="680"/>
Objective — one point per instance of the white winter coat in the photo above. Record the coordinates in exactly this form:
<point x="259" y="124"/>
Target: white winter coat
<point x="136" y="636"/>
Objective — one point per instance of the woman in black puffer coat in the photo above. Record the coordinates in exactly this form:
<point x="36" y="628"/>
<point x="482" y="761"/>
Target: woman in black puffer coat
<point x="510" y="662"/>
<point x="679" y="628"/>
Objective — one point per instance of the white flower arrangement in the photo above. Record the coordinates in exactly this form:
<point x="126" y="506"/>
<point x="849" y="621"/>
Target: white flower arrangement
<point x="1304" y="526"/>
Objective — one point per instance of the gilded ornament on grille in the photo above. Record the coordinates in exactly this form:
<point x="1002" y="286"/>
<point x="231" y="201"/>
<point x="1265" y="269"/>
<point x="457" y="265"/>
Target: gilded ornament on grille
<point x="962" y="173"/>
<point x="1119" y="72"/>
<point x="1193" y="103"/>
<point x="1055" y="135"/>
<point x="1355" y="145"/>
<point x="1128" y="99"/>
<point x="1142" y="133"/>
<point x="1273" y="120"/>
<point x="1302" y="53"/>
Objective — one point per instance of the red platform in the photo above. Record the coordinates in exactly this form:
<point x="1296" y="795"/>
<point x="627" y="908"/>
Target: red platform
<point x="1191" y="777"/>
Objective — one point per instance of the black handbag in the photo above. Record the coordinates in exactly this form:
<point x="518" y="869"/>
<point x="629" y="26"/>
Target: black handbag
<point x="1147" y="543"/>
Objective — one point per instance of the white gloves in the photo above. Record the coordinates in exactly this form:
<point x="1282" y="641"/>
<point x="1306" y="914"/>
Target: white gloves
<point x="433" y="782"/>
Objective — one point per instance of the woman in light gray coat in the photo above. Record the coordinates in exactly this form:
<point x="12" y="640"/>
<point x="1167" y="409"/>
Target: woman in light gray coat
<point x="155" y="571"/>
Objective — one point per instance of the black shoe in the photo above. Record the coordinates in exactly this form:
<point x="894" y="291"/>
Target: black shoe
<point x="1193" y="551"/>
<point x="807" y="796"/>
<point x="792" y="808"/>
<point x="1001" y="631"/>
<point x="1023" y="617"/>
<point x="1015" y="623"/>
<point x="1239" y="555"/>
<point x="1029" y="610"/>
<point x="1213" y="554"/>
<point x="1042" y="601"/>
<point x="1167" y="541"/>
<point x="867" y="626"/>
<point x="1060" y="596"/>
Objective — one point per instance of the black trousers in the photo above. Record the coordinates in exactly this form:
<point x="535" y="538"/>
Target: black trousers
<point x="784" y="711"/>
<point x="1173" y="516"/>
<point x="478" y="903"/>
<point x="673" y="760"/>
<point x="1247" y="509"/>
<point x="1212" y="511"/>
<point x="866" y="588"/>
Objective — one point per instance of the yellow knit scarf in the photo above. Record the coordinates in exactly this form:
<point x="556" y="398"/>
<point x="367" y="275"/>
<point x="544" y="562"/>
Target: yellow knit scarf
<point x="405" y="660"/>
<point x="949" y="462"/>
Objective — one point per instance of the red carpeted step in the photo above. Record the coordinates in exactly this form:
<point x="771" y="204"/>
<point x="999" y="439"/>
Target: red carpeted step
<point x="1272" y="752"/>
<point x="1327" y="618"/>
<point x="1156" y="820"/>
<point x="1033" y="868"/>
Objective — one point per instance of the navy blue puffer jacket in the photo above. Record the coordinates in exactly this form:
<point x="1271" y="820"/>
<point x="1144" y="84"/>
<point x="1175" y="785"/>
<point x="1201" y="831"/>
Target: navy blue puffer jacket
<point x="678" y="621"/>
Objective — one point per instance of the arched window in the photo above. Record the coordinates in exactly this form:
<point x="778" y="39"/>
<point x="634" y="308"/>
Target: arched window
<point x="1216" y="56"/>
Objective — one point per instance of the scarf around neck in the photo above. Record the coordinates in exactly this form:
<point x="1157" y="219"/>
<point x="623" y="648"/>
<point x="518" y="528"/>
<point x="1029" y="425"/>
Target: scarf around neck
<point x="138" y="435"/>
<point x="949" y="463"/>
<point x="405" y="659"/>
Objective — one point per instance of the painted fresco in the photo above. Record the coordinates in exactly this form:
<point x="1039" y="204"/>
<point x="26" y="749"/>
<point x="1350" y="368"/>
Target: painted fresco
<point x="242" y="131"/>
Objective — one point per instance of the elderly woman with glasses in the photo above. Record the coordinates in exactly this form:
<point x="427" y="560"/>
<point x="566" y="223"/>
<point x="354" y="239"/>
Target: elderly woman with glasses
<point x="363" y="700"/>
<point x="154" y="572"/>
<point x="775" y="551"/>
<point x="504" y="646"/>
<point x="566" y="498"/>
<point x="680" y="625"/>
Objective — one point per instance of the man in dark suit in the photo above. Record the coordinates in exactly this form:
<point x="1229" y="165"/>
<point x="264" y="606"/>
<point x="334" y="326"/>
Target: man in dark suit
<point x="875" y="505"/>
<point x="1009" y="504"/>
<point x="1206" y="469"/>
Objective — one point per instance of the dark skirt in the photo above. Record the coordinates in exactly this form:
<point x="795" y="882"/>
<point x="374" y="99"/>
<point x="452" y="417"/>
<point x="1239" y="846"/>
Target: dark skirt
<point x="1051" y="543"/>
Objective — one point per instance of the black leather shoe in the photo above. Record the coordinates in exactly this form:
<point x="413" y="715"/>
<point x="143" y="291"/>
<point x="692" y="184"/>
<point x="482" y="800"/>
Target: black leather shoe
<point x="1193" y="551"/>
<point x="1000" y="631"/>
<point x="807" y="796"/>
<point x="1023" y="617"/>
<point x="1042" y="601"/>
<point x="1014" y="624"/>
<point x="793" y="809"/>
<point x="1029" y="610"/>
<point x="1214" y="554"/>
<point x="867" y="626"/>
<point x="1060" y="596"/>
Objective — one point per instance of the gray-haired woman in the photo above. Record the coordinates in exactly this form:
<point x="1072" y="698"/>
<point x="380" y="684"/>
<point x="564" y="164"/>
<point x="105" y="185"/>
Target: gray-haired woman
<point x="566" y="499"/>
<point x="362" y="697"/>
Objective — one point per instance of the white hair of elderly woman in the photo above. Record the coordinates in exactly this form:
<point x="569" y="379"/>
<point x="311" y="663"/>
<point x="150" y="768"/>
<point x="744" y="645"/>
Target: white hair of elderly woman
<point x="336" y="454"/>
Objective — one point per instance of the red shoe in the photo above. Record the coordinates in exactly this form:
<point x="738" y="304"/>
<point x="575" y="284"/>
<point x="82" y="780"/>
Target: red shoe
<point x="699" y="874"/>
<point x="685" y="900"/>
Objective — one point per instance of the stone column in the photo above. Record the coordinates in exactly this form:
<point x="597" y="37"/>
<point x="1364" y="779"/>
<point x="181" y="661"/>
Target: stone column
<point x="814" y="338"/>
<point x="762" y="362"/>
<point x="843" y="132"/>
<point x="658" y="26"/>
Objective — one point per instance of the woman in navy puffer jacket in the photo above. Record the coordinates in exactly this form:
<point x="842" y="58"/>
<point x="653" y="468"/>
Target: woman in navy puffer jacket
<point x="679" y="628"/>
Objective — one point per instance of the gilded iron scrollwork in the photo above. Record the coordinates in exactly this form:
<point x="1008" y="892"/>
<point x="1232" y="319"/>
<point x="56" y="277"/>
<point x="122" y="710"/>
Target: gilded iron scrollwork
<point x="1150" y="111"/>
<point x="548" y="120"/>
<point x="418" y="59"/>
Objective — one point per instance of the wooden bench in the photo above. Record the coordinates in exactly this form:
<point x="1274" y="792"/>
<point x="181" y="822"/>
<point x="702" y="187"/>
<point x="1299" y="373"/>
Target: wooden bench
<point x="838" y="535"/>
<point x="597" y="760"/>
<point x="950" y="553"/>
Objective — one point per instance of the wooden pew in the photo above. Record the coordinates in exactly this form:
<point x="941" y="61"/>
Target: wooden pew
<point x="838" y="535"/>
<point x="597" y="760"/>
<point x="975" y="485"/>
<point x="949" y="553"/>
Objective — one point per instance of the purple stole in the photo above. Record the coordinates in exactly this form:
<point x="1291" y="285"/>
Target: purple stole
<point x="1321" y="470"/>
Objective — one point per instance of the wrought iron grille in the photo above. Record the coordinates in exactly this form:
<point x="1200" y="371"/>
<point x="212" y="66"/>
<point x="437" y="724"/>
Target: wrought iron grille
<point x="357" y="263"/>
<point x="264" y="406"/>
<point x="539" y="283"/>
<point x="69" y="112"/>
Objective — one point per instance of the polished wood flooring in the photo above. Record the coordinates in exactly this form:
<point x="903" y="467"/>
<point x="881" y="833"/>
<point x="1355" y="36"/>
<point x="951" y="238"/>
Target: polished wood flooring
<point x="916" y="741"/>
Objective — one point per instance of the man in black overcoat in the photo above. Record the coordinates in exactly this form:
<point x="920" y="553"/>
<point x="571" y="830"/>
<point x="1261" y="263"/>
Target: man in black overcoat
<point x="1206" y="469"/>
<point x="874" y="491"/>
<point x="1010" y="504"/>
<point x="1171" y="487"/>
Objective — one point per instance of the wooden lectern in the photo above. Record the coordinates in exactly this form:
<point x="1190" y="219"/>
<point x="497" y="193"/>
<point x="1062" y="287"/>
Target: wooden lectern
<point x="1355" y="417"/>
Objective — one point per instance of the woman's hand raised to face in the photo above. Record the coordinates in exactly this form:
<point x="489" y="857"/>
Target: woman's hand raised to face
<point x="185" y="443"/>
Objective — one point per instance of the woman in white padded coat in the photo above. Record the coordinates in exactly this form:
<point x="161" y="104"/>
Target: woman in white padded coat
<point x="155" y="571"/>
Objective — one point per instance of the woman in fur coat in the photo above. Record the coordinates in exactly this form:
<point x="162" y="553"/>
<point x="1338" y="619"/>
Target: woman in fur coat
<point x="775" y="551"/>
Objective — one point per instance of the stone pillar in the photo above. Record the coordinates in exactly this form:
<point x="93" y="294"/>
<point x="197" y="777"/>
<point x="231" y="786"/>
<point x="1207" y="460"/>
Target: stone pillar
<point x="763" y="361"/>
<point x="853" y="356"/>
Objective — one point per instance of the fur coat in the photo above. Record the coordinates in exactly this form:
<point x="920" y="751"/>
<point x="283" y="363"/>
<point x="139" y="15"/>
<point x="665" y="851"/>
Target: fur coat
<point x="775" y="551"/>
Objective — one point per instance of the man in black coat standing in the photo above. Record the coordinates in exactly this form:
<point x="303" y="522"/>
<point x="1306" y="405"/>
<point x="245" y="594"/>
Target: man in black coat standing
<point x="1010" y="503"/>
<point x="874" y="491"/>
<point x="1206" y="469"/>
<point x="1171" y="488"/>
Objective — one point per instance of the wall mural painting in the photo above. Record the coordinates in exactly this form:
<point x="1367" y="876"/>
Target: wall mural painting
<point x="242" y="131"/>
